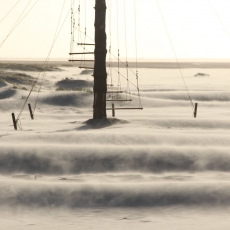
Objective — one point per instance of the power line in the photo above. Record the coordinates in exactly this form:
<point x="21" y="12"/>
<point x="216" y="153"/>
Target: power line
<point x="110" y="42"/>
<point x="137" y="77"/>
<point x="217" y="15"/>
<point x="135" y="18"/>
<point x="118" y="47"/>
<point x="10" y="11"/>
<point x="44" y="65"/>
<point x="166" y="28"/>
<point x="19" y="20"/>
<point x="48" y="57"/>
<point x="126" y="50"/>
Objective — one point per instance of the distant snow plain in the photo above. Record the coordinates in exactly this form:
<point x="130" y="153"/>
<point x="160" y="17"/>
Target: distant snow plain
<point x="153" y="168"/>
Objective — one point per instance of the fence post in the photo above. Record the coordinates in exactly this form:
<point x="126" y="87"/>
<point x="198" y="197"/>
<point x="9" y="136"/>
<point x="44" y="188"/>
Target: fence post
<point x="31" y="112"/>
<point x="14" y="121"/>
<point x="113" y="110"/>
<point x="195" y="110"/>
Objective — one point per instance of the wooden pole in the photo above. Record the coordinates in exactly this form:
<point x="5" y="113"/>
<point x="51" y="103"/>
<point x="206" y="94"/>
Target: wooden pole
<point x="31" y="112"/>
<point x="100" y="75"/>
<point x="113" y="110"/>
<point x="14" y="121"/>
<point x="195" y="110"/>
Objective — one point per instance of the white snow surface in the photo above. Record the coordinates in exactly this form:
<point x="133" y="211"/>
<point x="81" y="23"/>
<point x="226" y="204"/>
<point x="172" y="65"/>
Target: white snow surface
<point x="156" y="168"/>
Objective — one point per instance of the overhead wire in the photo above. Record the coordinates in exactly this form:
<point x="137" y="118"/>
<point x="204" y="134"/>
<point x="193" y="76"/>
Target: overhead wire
<point x="135" y="18"/>
<point x="118" y="48"/>
<point x="110" y="43"/>
<point x="79" y="29"/>
<point x="72" y="30"/>
<point x="137" y="75"/>
<point x="81" y="40"/>
<point x="174" y="52"/>
<point x="121" y="73"/>
<point x="219" y="18"/>
<point x="44" y="65"/>
<point x="126" y="52"/>
<point x="124" y="64"/>
<point x="114" y="57"/>
<point x="48" y="57"/>
<point x="124" y="77"/>
<point x="9" y="11"/>
<point x="15" y="24"/>
<point x="85" y="32"/>
<point x="79" y="21"/>
<point x="19" y="20"/>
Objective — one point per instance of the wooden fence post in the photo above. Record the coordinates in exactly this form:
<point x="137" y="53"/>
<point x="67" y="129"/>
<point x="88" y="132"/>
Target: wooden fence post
<point x="14" y="121"/>
<point x="113" y="110"/>
<point x="31" y="112"/>
<point x="195" y="110"/>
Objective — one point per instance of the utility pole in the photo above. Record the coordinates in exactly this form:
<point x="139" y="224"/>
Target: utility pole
<point x="100" y="74"/>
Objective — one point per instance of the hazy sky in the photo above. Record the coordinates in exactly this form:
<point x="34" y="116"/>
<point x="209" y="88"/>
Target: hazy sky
<point x="194" y="28"/>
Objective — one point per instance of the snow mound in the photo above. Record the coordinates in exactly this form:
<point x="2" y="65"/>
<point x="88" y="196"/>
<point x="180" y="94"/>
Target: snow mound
<point x="102" y="123"/>
<point x="73" y="84"/>
<point x="2" y="84"/>
<point x="78" y="99"/>
<point x="4" y="94"/>
<point x="16" y="78"/>
<point x="86" y="72"/>
<point x="79" y="159"/>
<point x="116" y="195"/>
<point x="201" y="75"/>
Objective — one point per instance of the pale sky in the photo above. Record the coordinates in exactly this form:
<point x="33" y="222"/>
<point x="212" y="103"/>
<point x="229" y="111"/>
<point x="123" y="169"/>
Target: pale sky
<point x="194" y="28"/>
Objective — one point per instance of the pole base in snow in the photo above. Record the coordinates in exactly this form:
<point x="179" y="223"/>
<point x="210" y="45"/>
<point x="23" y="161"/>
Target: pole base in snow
<point x="99" y="106"/>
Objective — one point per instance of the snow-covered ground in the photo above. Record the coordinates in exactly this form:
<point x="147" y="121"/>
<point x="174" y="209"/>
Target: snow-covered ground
<point x="156" y="168"/>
